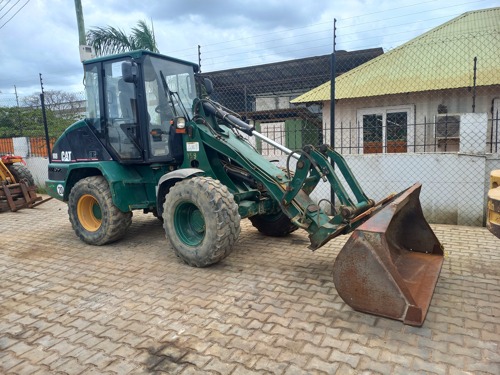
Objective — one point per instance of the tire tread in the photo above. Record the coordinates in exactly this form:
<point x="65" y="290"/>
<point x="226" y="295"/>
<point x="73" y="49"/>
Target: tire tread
<point x="114" y="222"/>
<point x="225" y="213"/>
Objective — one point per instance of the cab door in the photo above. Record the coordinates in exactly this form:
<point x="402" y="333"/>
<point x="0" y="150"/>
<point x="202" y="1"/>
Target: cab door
<point x="121" y="113"/>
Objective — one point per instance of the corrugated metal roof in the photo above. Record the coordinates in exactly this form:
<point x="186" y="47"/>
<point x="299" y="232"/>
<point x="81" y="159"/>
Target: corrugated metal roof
<point x="442" y="58"/>
<point x="288" y="75"/>
<point x="234" y="87"/>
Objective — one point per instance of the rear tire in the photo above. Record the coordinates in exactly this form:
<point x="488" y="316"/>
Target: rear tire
<point x="201" y="220"/>
<point x="94" y="217"/>
<point x="21" y="173"/>
<point x="274" y="225"/>
<point x="155" y="214"/>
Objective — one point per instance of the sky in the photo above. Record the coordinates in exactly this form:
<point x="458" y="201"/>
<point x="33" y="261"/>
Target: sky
<point x="41" y="36"/>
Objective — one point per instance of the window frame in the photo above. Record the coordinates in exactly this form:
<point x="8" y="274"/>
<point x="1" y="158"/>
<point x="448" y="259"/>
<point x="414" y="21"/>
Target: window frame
<point x="410" y="116"/>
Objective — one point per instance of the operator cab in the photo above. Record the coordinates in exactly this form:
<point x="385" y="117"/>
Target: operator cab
<point x="134" y="101"/>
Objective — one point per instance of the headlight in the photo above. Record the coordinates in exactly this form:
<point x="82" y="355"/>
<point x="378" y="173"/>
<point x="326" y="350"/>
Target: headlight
<point x="180" y="123"/>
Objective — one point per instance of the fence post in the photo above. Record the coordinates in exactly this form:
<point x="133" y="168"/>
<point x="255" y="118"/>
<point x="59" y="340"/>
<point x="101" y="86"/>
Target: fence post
<point x="332" y="106"/>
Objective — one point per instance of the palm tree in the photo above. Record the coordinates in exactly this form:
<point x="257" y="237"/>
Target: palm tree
<point x="109" y="40"/>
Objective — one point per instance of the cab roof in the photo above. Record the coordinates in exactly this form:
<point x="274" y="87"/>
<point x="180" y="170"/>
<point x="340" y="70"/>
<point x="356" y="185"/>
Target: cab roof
<point x="137" y="54"/>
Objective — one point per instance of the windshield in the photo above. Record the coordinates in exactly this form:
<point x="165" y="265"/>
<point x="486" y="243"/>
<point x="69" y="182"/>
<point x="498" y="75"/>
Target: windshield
<point x="169" y="87"/>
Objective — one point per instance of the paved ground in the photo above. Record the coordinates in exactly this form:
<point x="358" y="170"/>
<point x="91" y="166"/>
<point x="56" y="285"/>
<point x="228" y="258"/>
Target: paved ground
<point x="270" y="307"/>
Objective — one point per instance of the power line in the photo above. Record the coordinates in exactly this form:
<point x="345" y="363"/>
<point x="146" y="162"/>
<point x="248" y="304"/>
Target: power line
<point x="325" y="47"/>
<point x="408" y="6"/>
<point x="7" y="3"/>
<point x="215" y="55"/>
<point x="401" y="24"/>
<point x="277" y="40"/>
<point x="412" y="14"/>
<point x="358" y="16"/>
<point x="276" y="59"/>
<point x="275" y="51"/>
<point x="8" y="10"/>
<point x="212" y="52"/>
<point x="6" y="22"/>
<point x="420" y="31"/>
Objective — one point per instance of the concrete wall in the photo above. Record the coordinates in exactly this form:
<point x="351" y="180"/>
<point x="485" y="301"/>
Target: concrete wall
<point x="21" y="146"/>
<point x="39" y="169"/>
<point x="453" y="185"/>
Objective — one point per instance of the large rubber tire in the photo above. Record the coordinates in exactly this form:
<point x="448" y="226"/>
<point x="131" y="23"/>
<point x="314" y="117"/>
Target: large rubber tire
<point x="21" y="173"/>
<point x="275" y="225"/>
<point x="201" y="220"/>
<point x="94" y="217"/>
<point x="155" y="214"/>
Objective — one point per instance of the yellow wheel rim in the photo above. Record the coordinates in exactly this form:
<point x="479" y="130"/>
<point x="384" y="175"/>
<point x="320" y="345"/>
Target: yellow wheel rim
<point x="89" y="213"/>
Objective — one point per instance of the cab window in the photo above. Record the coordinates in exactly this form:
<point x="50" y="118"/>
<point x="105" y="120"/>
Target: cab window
<point x="121" y="105"/>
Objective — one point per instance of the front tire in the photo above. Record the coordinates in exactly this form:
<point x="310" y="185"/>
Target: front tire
<point x="201" y="221"/>
<point x="94" y="217"/>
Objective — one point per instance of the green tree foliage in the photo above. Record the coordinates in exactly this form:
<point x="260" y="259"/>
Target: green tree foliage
<point x="28" y="122"/>
<point x="110" y="40"/>
<point x="61" y="108"/>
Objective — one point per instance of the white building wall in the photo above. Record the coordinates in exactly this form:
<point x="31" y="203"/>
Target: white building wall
<point x="426" y="108"/>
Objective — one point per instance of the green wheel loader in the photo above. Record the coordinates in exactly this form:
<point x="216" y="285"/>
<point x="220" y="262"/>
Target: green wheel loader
<point x="151" y="141"/>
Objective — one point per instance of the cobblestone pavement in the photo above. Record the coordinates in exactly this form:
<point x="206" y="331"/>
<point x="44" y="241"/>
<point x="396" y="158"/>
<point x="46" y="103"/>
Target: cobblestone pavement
<point x="269" y="308"/>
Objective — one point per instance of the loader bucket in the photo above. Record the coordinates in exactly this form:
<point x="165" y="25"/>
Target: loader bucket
<point x="391" y="263"/>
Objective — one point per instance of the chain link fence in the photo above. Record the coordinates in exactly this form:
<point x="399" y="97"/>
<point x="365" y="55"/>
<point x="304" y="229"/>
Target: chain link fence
<point x="22" y="129"/>
<point x="22" y="117"/>
<point x="427" y="111"/>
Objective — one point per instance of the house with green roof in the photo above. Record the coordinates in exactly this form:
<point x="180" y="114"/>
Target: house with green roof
<point x="439" y="92"/>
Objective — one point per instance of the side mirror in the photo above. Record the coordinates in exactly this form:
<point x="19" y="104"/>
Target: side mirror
<point x="209" y="86"/>
<point x="129" y="71"/>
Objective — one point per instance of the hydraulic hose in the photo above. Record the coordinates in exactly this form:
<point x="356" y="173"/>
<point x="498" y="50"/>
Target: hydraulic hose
<point x="243" y="126"/>
<point x="226" y="116"/>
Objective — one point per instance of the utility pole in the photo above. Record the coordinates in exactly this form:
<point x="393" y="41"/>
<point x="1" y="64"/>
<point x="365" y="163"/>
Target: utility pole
<point x="81" y="25"/>
<point x="86" y="52"/>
